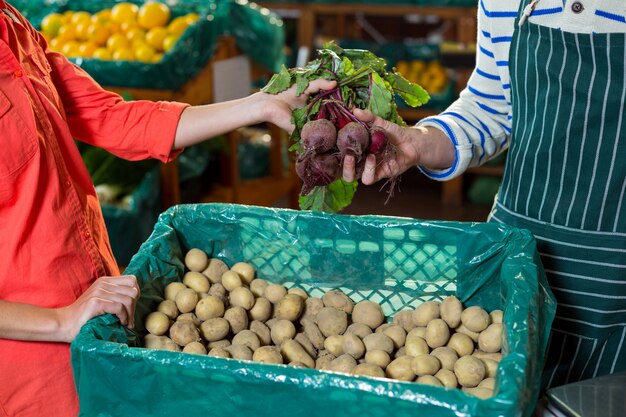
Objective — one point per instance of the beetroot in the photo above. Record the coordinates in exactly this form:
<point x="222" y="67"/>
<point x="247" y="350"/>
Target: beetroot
<point x="378" y="140"/>
<point x="317" y="170"/>
<point x="319" y="136"/>
<point x="353" y="139"/>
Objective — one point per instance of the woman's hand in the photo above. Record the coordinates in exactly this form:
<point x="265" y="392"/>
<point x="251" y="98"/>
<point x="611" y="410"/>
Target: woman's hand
<point x="279" y="106"/>
<point x="412" y="146"/>
<point x="113" y="295"/>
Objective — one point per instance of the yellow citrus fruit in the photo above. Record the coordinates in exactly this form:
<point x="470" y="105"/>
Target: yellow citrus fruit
<point x="51" y="24"/>
<point x="67" y="16"/>
<point x="153" y="14"/>
<point x="135" y="33"/>
<point x="169" y="42"/>
<point x="98" y="34"/>
<point x="101" y="16"/>
<point x="157" y="57"/>
<point x="123" y="54"/>
<point x="143" y="52"/>
<point x="128" y="25"/>
<point x="87" y="49"/>
<point x="80" y="17"/>
<point x="70" y="49"/>
<point x="56" y="44"/>
<point x="66" y="33"/>
<point x="192" y="18"/>
<point x="102" y="53"/>
<point x="156" y="36"/>
<point x="124" y="12"/>
<point x="82" y="30"/>
<point x="112" y="26"/>
<point x="117" y="41"/>
<point x="178" y="25"/>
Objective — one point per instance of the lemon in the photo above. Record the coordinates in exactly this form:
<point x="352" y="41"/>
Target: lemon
<point x="56" y="44"/>
<point x="153" y="14"/>
<point x="66" y="33"/>
<point x="123" y="54"/>
<point x="102" y="53"/>
<point x="117" y="41"/>
<point x="143" y="52"/>
<point x="70" y="49"/>
<point x="101" y="16"/>
<point x="169" y="42"/>
<point x="156" y="36"/>
<point x="81" y="29"/>
<point x="98" y="34"/>
<point x="80" y="17"/>
<point x="135" y="33"/>
<point x="124" y="12"/>
<point x="51" y="24"/>
<point x="157" y="57"/>
<point x="192" y="18"/>
<point x="178" y="25"/>
<point x="87" y="49"/>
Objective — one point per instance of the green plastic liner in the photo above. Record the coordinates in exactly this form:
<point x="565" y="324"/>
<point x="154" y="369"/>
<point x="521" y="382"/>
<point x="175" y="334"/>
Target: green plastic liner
<point x="398" y="262"/>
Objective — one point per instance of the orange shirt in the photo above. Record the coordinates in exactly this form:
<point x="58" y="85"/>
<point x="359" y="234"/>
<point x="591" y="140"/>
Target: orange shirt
<point x="53" y="241"/>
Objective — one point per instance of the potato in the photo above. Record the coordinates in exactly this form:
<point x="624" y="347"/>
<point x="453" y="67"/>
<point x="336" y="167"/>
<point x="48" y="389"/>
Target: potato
<point x="401" y="369"/>
<point x="262" y="332"/>
<point x="461" y="343"/>
<point x="224" y="343"/>
<point x="242" y="297"/>
<point x="214" y="270"/>
<point x="397" y="334"/>
<point x="378" y="357"/>
<point x="447" y="357"/>
<point x="353" y="346"/>
<point x="296" y="364"/>
<point x="274" y="292"/>
<point x="184" y="332"/>
<point x="368" y="369"/>
<point x="404" y="318"/>
<point x="490" y="339"/>
<point x="196" y="348"/>
<point x="491" y="367"/>
<point x="237" y="317"/>
<point x="218" y="290"/>
<point x="168" y="307"/>
<point x="368" y="313"/>
<point x="306" y="344"/>
<point x="172" y="289"/>
<point x="382" y="327"/>
<point x="447" y="378"/>
<point x="400" y="352"/>
<point x="337" y="299"/>
<point x="358" y="329"/>
<point x="489" y="383"/>
<point x="245" y="271"/>
<point x="298" y="291"/>
<point x="344" y="363"/>
<point x="313" y="333"/>
<point x="209" y="307"/>
<point x="437" y="333"/>
<point x="196" y="260"/>
<point x="214" y="329"/>
<point x="268" y="354"/>
<point x="323" y="361"/>
<point x="425" y="364"/>
<point x="219" y="352"/>
<point x="241" y="352"/>
<point x="483" y="393"/>
<point x="186" y="300"/>
<point x="231" y="280"/>
<point x="157" y="323"/>
<point x="247" y="338"/>
<point x="290" y="307"/>
<point x="190" y="317"/>
<point x="261" y="311"/>
<point x="196" y="281"/>
<point x="282" y="330"/>
<point x="271" y="322"/>
<point x="496" y="316"/>
<point x="334" y="344"/>
<point x="417" y="331"/>
<point x="464" y="330"/>
<point x="475" y="319"/>
<point x="497" y="357"/>
<point x="416" y="346"/>
<point x="450" y="310"/>
<point x="429" y="380"/>
<point x="331" y="321"/>
<point x="426" y="312"/>
<point x="152" y="341"/>
<point x="168" y="344"/>
<point x="257" y="286"/>
<point x="294" y="352"/>
<point x="469" y="371"/>
<point x="312" y="306"/>
<point x="378" y="341"/>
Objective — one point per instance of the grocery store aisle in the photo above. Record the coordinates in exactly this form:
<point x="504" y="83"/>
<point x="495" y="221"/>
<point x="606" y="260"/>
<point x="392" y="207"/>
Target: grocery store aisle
<point x="417" y="196"/>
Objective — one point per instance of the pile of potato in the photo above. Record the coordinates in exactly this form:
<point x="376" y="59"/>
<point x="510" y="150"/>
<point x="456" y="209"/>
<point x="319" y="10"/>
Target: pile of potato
<point x="228" y="312"/>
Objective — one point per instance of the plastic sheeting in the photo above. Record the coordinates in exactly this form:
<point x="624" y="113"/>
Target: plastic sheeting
<point x="398" y="262"/>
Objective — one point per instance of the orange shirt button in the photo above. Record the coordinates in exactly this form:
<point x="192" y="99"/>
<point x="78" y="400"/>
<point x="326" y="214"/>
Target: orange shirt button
<point x="18" y="73"/>
<point x="67" y="183"/>
<point x="87" y="234"/>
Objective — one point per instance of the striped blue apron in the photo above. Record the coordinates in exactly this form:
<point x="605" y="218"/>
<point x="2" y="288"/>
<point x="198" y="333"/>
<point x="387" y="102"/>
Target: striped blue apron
<point x="565" y="181"/>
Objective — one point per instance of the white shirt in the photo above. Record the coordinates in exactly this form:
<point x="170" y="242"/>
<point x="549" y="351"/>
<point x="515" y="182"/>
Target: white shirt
<point x="479" y="122"/>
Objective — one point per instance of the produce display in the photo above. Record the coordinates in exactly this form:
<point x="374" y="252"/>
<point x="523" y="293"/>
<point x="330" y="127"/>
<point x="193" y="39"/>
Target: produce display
<point x="125" y="32"/>
<point x="231" y="313"/>
<point x="326" y="130"/>
<point x="429" y="74"/>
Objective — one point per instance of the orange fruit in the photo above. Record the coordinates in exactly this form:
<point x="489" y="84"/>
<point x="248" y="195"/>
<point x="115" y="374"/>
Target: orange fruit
<point x="101" y="16"/>
<point x="98" y="34"/>
<point x="153" y="14"/>
<point x="178" y="25"/>
<point x="169" y="42"/>
<point x="51" y="24"/>
<point x="123" y="54"/>
<point x="102" y="53"/>
<point x="81" y="29"/>
<point x="156" y="36"/>
<point x="80" y="17"/>
<point x="70" y="49"/>
<point x="117" y="41"/>
<point x="66" y="33"/>
<point x="56" y="44"/>
<point x="143" y="52"/>
<point x="87" y="49"/>
<point x="124" y="12"/>
<point x="135" y="33"/>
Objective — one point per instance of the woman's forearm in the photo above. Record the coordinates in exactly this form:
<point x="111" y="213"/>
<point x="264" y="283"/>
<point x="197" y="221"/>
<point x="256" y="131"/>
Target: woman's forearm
<point x="20" y="321"/>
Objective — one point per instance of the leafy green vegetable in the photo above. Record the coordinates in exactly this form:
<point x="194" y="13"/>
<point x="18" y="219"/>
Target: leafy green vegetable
<point x="363" y="82"/>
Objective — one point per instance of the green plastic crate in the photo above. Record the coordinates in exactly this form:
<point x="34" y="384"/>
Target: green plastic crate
<point x="398" y="262"/>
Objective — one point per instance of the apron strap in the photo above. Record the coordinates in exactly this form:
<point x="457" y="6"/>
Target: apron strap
<point x="528" y="10"/>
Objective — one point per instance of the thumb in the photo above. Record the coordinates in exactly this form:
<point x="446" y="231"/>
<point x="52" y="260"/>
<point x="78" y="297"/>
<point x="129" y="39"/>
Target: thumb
<point x="369" y="117"/>
<point x="320" y="84"/>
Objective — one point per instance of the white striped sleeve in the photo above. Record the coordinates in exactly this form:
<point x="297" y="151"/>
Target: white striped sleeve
<point x="479" y="122"/>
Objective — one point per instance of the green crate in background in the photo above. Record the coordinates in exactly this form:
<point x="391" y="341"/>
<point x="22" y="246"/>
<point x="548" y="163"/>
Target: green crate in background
<point x="399" y="262"/>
